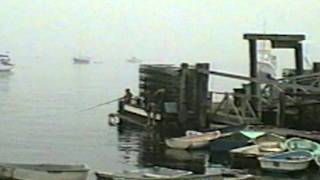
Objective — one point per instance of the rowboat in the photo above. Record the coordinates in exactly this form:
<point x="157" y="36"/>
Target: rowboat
<point x="192" y="140"/>
<point x="157" y="173"/>
<point x="43" y="171"/>
<point x="287" y="161"/>
<point x="294" y="144"/>
<point x="270" y="142"/>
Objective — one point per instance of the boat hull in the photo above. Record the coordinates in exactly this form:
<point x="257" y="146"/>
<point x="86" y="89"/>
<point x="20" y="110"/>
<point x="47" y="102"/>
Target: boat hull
<point x="81" y="61"/>
<point x="110" y="176"/>
<point x="177" y="144"/>
<point x="288" y="161"/>
<point x="6" y="68"/>
<point x="283" y="166"/>
<point x="193" y="141"/>
<point x="43" y="172"/>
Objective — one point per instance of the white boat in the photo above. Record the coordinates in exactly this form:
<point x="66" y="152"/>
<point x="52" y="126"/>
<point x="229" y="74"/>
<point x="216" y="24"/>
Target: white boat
<point x="287" y="161"/>
<point x="81" y="60"/>
<point x="154" y="173"/>
<point x="5" y="64"/>
<point x="267" y="62"/>
<point x="43" y="171"/>
<point x="270" y="142"/>
<point x="192" y="140"/>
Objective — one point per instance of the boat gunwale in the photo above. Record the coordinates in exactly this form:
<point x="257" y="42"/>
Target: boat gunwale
<point x="268" y="158"/>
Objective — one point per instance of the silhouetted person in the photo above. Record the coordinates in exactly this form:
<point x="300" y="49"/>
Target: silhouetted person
<point x="127" y="97"/>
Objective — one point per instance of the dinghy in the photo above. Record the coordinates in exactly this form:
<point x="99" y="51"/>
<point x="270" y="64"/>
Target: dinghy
<point x="287" y="161"/>
<point x="294" y="144"/>
<point x="192" y="140"/>
<point x="157" y="173"/>
<point x="43" y="171"/>
<point x="270" y="142"/>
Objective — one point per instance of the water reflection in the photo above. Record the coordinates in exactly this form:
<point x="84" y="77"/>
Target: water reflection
<point x="5" y="81"/>
<point x="143" y="148"/>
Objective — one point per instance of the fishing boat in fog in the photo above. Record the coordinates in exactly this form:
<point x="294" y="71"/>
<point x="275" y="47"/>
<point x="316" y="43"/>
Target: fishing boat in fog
<point x="157" y="173"/>
<point x="43" y="171"/>
<point x="192" y="140"/>
<point x="287" y="161"/>
<point x="5" y="64"/>
<point x="81" y="60"/>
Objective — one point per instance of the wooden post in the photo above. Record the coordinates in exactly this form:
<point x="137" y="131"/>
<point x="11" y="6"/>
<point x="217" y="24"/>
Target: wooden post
<point x="183" y="111"/>
<point x="202" y="94"/>
<point x="282" y="110"/>
<point x="299" y="59"/>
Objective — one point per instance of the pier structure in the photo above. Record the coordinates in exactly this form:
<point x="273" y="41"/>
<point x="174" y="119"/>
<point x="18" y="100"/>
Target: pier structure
<point x="183" y="100"/>
<point x="172" y="96"/>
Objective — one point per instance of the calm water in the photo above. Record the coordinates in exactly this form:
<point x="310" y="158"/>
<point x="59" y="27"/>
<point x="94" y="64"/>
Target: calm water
<point x="41" y="122"/>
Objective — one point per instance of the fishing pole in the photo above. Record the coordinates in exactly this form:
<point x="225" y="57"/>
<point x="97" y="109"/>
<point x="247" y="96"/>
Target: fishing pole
<point x="101" y="104"/>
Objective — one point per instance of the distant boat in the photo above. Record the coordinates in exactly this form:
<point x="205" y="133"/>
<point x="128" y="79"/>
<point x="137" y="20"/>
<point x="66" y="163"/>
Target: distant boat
<point x="134" y="60"/>
<point x="5" y="64"/>
<point x="43" y="171"/>
<point x="157" y="173"/>
<point x="81" y="60"/>
<point x="192" y="140"/>
<point x="287" y="161"/>
<point x="267" y="62"/>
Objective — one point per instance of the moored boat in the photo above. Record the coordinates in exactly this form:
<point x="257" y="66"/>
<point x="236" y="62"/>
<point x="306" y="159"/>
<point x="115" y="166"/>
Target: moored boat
<point x="43" y="171"/>
<point x="5" y="64"/>
<point x="270" y="142"/>
<point x="192" y="141"/>
<point x="157" y="173"/>
<point x="287" y="161"/>
<point x="294" y="144"/>
<point x="81" y="60"/>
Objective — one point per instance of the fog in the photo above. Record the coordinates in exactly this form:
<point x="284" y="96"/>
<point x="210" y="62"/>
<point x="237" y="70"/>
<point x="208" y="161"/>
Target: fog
<point x="167" y="31"/>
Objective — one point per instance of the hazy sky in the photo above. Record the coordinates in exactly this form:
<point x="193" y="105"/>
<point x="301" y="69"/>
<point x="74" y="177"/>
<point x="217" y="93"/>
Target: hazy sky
<point x="154" y="30"/>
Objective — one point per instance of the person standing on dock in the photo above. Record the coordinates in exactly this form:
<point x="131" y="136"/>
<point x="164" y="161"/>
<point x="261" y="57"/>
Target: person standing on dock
<point x="155" y="106"/>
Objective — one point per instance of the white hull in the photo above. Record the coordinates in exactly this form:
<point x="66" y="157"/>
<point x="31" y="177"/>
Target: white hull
<point x="284" y="166"/>
<point x="43" y="172"/>
<point x="286" y="163"/>
<point x="81" y="61"/>
<point x="5" y="68"/>
<point x="192" y="141"/>
<point x="177" y="144"/>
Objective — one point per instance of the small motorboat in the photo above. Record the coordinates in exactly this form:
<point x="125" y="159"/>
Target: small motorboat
<point x="157" y="173"/>
<point x="81" y="60"/>
<point x="5" y="64"/>
<point x="192" y="140"/>
<point x="287" y="161"/>
<point x="43" y="171"/>
<point x="294" y="144"/>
